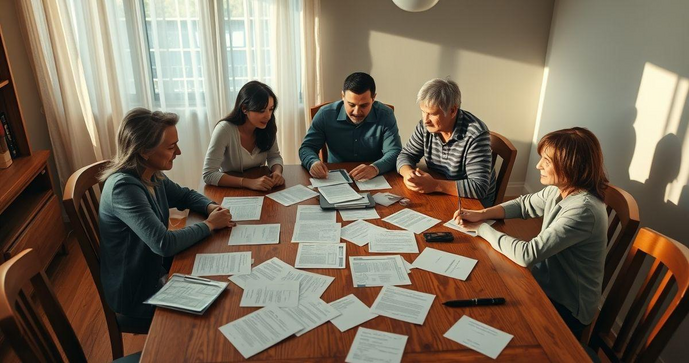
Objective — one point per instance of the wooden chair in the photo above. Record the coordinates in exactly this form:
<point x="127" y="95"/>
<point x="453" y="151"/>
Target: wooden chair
<point x="501" y="146"/>
<point x="22" y="323"/>
<point x="644" y="341"/>
<point x="323" y="154"/>
<point x="81" y="201"/>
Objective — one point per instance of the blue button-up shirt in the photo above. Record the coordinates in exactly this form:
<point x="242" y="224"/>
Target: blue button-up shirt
<point x="375" y="139"/>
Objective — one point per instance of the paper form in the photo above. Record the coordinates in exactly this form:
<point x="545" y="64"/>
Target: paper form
<point x="360" y="232"/>
<point x="403" y="304"/>
<point x="318" y="255"/>
<point x="411" y="220"/>
<point x="393" y="241"/>
<point x="292" y="195"/>
<point x="376" y="346"/>
<point x="214" y="264"/>
<point x="354" y="312"/>
<point x="479" y="336"/>
<point x="283" y="294"/>
<point x="445" y="263"/>
<point x="318" y="232"/>
<point x="244" y="208"/>
<point x="370" y="271"/>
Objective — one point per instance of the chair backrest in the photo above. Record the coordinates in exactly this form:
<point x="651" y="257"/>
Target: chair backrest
<point x="647" y="327"/>
<point x="625" y="219"/>
<point x="323" y="154"/>
<point x="21" y="322"/>
<point x="81" y="200"/>
<point x="501" y="146"/>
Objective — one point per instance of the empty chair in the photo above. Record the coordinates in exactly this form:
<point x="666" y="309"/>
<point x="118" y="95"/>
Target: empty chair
<point x="81" y="200"/>
<point x="21" y="322"/>
<point x="501" y="146"/>
<point x="323" y="154"/>
<point x="648" y="325"/>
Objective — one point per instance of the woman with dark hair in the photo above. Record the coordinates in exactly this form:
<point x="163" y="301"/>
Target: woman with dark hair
<point x="244" y="139"/>
<point x="136" y="247"/>
<point x="567" y="257"/>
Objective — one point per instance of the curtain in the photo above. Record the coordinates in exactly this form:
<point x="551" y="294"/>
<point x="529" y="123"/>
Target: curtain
<point x="99" y="59"/>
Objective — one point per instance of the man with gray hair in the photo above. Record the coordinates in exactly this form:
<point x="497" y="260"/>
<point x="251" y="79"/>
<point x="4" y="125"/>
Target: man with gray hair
<point x="454" y="143"/>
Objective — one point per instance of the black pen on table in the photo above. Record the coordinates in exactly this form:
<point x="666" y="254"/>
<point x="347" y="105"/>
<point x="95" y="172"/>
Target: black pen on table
<point x="475" y="302"/>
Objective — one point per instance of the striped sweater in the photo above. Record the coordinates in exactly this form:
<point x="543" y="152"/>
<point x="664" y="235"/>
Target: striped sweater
<point x="466" y="157"/>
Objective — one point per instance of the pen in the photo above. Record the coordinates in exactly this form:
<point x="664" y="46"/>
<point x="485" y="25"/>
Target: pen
<point x="475" y="302"/>
<point x="199" y="280"/>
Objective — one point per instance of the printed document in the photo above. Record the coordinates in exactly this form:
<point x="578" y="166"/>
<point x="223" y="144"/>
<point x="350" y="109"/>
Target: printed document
<point x="403" y="304"/>
<point x="479" y="336"/>
<point x="244" y="208"/>
<point x="314" y="213"/>
<point x="411" y="220"/>
<point x="260" y="330"/>
<point x="360" y="232"/>
<point x="339" y="193"/>
<point x="311" y="285"/>
<point x="187" y="293"/>
<point x="311" y="313"/>
<point x="292" y="195"/>
<point x="445" y="263"/>
<point x="354" y="312"/>
<point x="321" y="255"/>
<point x="354" y="214"/>
<point x="376" y="346"/>
<point x="214" y="264"/>
<point x="270" y="270"/>
<point x="386" y="199"/>
<point x="334" y="177"/>
<point x="378" y="271"/>
<point x="376" y="183"/>
<point x="255" y="234"/>
<point x="317" y="232"/>
<point x="393" y="241"/>
<point x="452" y="224"/>
<point x="283" y="294"/>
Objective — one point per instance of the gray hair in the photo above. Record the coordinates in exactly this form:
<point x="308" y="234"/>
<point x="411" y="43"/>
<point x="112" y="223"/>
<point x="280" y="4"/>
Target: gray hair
<point x="141" y="131"/>
<point x="443" y="93"/>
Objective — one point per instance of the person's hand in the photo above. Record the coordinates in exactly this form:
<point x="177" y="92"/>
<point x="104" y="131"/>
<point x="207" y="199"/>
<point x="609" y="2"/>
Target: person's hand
<point x="261" y="184"/>
<point x="278" y="179"/>
<point x="319" y="170"/>
<point x="420" y="181"/>
<point x="363" y="172"/>
<point x="468" y="216"/>
<point x="219" y="218"/>
<point x="211" y="207"/>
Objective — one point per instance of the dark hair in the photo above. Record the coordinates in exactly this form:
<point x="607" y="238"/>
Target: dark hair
<point x="254" y="96"/>
<point x="141" y="131"/>
<point x="359" y="83"/>
<point x="577" y="159"/>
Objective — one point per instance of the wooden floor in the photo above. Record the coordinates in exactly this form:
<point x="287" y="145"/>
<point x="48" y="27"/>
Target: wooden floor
<point x="77" y="294"/>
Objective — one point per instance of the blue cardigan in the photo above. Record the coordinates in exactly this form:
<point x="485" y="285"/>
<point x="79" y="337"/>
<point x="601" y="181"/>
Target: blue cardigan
<point x="136" y="247"/>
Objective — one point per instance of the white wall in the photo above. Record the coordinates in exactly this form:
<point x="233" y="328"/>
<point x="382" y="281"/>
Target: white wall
<point x="494" y="49"/>
<point x="621" y="69"/>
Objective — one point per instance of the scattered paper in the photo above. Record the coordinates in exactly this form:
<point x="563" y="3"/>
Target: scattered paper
<point x="339" y="193"/>
<point x="403" y="304"/>
<point x="411" y="220"/>
<point x="283" y="294"/>
<point x="452" y="224"/>
<point x="260" y="330"/>
<point x="354" y="312"/>
<point x="318" y="232"/>
<point x="445" y="263"/>
<point x="370" y="271"/>
<point x="479" y="336"/>
<point x="311" y="313"/>
<point x="255" y="234"/>
<point x="269" y="270"/>
<point x="334" y="177"/>
<point x="393" y="241"/>
<point x="314" y="213"/>
<point x="311" y="285"/>
<point x="215" y="264"/>
<point x="320" y="255"/>
<point x="355" y="214"/>
<point x="244" y="208"/>
<point x="292" y="195"/>
<point x="360" y="232"/>
<point x="386" y="199"/>
<point x="378" y="182"/>
<point x="376" y="346"/>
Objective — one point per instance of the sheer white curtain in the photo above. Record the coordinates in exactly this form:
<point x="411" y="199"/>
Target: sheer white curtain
<point x="191" y="57"/>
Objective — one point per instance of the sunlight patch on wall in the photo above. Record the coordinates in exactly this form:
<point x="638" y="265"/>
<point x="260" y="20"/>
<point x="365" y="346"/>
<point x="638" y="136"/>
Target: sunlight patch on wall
<point x="541" y="98"/>
<point x="659" y="104"/>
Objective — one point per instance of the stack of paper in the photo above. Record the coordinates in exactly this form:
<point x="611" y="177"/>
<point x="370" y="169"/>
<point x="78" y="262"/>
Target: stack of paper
<point x="370" y="271"/>
<point x="335" y="177"/>
<point x="188" y="293"/>
<point x="244" y="208"/>
<point x="411" y="220"/>
<point x="353" y="204"/>
<point x="292" y="195"/>
<point x="339" y="193"/>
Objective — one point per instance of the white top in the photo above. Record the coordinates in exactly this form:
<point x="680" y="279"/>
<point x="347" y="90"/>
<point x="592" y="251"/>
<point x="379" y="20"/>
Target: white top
<point x="226" y="154"/>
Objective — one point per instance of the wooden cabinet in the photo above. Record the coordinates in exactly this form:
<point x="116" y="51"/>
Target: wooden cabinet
<point x="30" y="214"/>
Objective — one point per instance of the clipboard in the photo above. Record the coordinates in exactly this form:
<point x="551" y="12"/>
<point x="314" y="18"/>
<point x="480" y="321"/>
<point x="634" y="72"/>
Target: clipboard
<point x="325" y="205"/>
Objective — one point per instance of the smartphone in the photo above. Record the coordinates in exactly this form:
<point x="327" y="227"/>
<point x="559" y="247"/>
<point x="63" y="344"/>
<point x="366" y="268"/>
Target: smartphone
<point x="439" y="237"/>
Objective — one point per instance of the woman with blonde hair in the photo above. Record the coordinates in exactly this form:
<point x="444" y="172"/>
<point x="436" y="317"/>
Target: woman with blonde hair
<point x="567" y="257"/>
<point x="136" y="244"/>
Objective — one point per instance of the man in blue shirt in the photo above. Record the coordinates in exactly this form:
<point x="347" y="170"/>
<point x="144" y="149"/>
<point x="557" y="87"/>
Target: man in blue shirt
<point x="358" y="128"/>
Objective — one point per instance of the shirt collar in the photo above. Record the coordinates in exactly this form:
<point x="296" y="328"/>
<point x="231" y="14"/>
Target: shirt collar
<point x="457" y="131"/>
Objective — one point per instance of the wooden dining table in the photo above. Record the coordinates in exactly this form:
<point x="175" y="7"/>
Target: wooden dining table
<point x="539" y="332"/>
